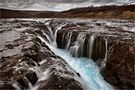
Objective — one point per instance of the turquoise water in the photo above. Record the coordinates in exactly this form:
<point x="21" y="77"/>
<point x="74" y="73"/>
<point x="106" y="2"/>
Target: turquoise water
<point x="91" y="78"/>
<point x="88" y="70"/>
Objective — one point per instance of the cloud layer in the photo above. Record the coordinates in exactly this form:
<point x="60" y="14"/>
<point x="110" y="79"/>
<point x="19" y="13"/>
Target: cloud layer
<point x="56" y="5"/>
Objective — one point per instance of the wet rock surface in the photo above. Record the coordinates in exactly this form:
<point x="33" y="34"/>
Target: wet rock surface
<point x="27" y="62"/>
<point x="122" y="73"/>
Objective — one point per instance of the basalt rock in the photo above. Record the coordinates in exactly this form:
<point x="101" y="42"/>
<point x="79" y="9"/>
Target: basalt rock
<point x="32" y="77"/>
<point x="27" y="62"/>
<point x="60" y="83"/>
<point x="119" y="68"/>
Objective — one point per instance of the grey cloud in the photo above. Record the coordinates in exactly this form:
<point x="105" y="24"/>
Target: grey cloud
<point x="55" y="4"/>
<point x="67" y="1"/>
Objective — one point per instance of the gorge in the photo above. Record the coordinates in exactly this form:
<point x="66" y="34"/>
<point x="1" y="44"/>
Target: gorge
<point x="67" y="54"/>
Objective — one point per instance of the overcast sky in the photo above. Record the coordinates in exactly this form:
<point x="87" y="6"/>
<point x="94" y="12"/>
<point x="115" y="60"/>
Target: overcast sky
<point x="55" y="5"/>
<point x="67" y="1"/>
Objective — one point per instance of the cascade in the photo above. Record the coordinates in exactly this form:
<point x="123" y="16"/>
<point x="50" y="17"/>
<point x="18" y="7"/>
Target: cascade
<point x="59" y="27"/>
<point x="90" y="46"/>
<point x="84" y="45"/>
<point x="77" y="49"/>
<point x="47" y="23"/>
<point x="103" y="63"/>
<point x="89" y="71"/>
<point x="69" y="40"/>
<point x="47" y="36"/>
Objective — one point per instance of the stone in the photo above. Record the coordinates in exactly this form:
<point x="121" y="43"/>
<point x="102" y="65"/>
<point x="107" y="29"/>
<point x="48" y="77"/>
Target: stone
<point x="61" y="83"/>
<point x="9" y="46"/>
<point x="119" y="69"/>
<point x="32" y="77"/>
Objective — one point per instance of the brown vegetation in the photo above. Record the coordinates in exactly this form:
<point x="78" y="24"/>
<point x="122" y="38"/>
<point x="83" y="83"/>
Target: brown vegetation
<point x="107" y="12"/>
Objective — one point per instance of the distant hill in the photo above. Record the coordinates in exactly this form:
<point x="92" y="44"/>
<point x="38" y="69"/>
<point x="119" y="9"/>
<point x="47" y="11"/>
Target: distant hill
<point x="103" y="12"/>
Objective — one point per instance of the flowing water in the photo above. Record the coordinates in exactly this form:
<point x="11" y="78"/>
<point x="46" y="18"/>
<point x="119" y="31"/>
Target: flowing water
<point x="86" y="67"/>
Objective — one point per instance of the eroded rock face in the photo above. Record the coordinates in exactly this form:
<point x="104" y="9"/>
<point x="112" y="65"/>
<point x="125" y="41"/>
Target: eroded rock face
<point x="111" y="47"/>
<point x="119" y="68"/>
<point x="26" y="62"/>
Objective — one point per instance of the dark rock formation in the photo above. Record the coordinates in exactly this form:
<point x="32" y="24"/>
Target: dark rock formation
<point x="32" y="77"/>
<point x="27" y="62"/>
<point x="60" y="83"/>
<point x="119" y="68"/>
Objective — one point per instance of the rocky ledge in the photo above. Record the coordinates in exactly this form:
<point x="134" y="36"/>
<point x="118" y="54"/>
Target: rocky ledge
<point x="28" y="63"/>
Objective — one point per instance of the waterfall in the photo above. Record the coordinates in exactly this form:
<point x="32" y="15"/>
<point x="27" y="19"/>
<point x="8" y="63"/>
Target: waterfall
<point x="77" y="49"/>
<point x="47" y="36"/>
<point x="90" y="73"/>
<point x="50" y="30"/>
<point x="103" y="63"/>
<point x="69" y="40"/>
<point x="59" y="27"/>
<point x="90" y="46"/>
